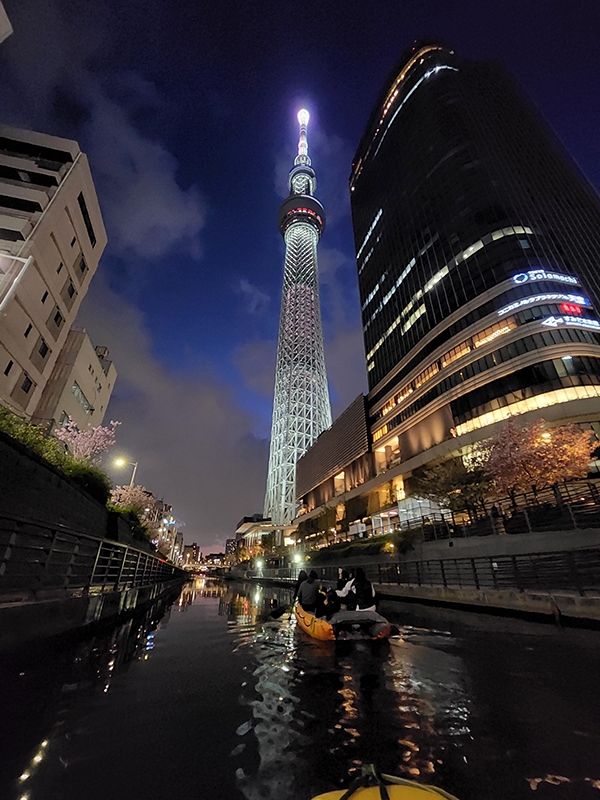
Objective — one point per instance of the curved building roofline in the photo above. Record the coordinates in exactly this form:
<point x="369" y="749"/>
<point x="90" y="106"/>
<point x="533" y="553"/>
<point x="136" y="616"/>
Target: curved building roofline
<point x="407" y="60"/>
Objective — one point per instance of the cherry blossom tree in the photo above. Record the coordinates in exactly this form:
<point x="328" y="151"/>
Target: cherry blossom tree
<point x="137" y="498"/>
<point x="453" y="485"/>
<point x="521" y="458"/>
<point x="142" y="502"/>
<point x="87" y="444"/>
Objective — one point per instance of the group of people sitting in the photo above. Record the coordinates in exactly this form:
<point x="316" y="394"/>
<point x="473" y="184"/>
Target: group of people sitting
<point x="354" y="592"/>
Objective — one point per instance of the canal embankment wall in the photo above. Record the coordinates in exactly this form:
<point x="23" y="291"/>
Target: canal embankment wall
<point x="66" y="562"/>
<point x="552" y="574"/>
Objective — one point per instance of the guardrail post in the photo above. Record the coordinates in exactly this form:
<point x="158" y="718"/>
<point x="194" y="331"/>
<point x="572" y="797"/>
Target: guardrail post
<point x="493" y="571"/>
<point x="93" y="575"/>
<point x="529" y="528"/>
<point x="418" y="573"/>
<point x="118" y="581"/>
<point x="516" y="575"/>
<point x="475" y="576"/>
<point x="50" y="551"/>
<point x="443" y="571"/>
<point x="572" y="515"/>
<point x="574" y="573"/>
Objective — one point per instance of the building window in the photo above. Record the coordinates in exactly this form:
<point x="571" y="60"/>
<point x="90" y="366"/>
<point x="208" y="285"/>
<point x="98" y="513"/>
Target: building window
<point x="64" y="418"/>
<point x="71" y="290"/>
<point x="73" y="240"/>
<point x="60" y="266"/>
<point x="28" y="331"/>
<point x="44" y="297"/>
<point x="82" y="265"/>
<point x="81" y="398"/>
<point x="9" y="366"/>
<point x="58" y="319"/>
<point x="27" y="384"/>
<point x="43" y="351"/>
<point x="86" y="218"/>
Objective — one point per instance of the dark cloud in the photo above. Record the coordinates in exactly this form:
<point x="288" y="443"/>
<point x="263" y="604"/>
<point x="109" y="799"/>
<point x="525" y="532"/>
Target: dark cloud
<point x="255" y="361"/>
<point x="256" y="301"/>
<point x="345" y="361"/>
<point x="147" y="212"/>
<point x="192" y="440"/>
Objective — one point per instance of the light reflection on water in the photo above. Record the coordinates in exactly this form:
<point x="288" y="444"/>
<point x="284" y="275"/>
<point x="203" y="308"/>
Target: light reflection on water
<point x="480" y="707"/>
<point x="321" y="709"/>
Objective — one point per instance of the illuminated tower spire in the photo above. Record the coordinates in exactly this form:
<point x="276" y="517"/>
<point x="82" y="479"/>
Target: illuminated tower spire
<point x="301" y="408"/>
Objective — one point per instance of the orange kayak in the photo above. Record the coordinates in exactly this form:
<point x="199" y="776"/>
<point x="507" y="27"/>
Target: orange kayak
<point x="344" y="625"/>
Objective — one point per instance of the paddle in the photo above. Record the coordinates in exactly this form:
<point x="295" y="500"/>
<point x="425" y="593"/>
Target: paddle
<point x="277" y="613"/>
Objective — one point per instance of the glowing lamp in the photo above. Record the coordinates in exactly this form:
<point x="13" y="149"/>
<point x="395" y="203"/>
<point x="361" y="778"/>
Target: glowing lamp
<point x="303" y="117"/>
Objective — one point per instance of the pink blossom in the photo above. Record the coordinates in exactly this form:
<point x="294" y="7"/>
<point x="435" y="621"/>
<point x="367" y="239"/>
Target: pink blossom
<point x="86" y="444"/>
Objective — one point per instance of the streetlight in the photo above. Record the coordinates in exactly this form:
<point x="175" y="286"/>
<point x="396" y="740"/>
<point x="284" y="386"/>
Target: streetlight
<point x="13" y="287"/>
<point x="121" y="463"/>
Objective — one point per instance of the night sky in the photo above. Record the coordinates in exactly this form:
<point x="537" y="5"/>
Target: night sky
<point x="187" y="112"/>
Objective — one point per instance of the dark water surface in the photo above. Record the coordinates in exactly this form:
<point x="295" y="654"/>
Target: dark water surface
<point x="211" y="699"/>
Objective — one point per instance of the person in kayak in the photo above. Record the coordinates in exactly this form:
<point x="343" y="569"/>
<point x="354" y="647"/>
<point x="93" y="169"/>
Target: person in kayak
<point x="362" y="588"/>
<point x="301" y="578"/>
<point x="308" y="592"/>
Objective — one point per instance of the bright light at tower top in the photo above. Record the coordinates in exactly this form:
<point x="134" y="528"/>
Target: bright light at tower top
<point x="303" y="116"/>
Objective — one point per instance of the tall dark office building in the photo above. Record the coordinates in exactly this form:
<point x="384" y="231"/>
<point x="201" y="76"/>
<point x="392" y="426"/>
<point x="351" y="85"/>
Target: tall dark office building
<point x="478" y="249"/>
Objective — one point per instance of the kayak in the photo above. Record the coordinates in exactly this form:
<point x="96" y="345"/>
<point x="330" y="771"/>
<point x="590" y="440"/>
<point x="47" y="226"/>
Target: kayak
<point x="408" y="792"/>
<point x="344" y="625"/>
<point x="389" y="786"/>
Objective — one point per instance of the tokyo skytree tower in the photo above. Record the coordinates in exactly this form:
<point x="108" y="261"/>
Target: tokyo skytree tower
<point x="301" y="408"/>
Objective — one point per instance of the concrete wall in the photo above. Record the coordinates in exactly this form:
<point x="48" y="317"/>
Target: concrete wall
<point x="21" y="623"/>
<point x="557" y="605"/>
<point x="38" y="494"/>
<point x="32" y="490"/>
<point x="476" y="546"/>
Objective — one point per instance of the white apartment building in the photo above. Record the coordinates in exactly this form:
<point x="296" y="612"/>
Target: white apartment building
<point x="5" y="26"/>
<point x="51" y="239"/>
<point x="79" y="386"/>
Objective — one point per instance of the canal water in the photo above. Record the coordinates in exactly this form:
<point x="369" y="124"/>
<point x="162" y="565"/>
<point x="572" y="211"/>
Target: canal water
<point x="211" y="698"/>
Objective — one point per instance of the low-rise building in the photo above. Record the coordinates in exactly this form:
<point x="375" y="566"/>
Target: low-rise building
<point x="79" y="386"/>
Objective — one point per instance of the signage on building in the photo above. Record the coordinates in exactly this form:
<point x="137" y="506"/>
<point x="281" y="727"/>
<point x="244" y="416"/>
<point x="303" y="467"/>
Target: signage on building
<point x="576" y="299"/>
<point x="579" y="322"/>
<point x="542" y="275"/>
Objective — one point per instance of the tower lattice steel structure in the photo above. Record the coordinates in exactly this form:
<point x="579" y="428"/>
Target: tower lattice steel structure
<point x="301" y="408"/>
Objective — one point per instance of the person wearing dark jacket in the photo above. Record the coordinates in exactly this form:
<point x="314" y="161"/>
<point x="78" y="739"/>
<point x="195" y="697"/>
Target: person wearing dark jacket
<point x="308" y="592"/>
<point x="302" y="576"/>
<point x="362" y="588"/>
<point x="343" y="579"/>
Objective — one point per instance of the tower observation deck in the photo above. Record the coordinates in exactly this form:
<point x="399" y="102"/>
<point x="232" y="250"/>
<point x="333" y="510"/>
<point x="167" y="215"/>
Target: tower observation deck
<point x="301" y="408"/>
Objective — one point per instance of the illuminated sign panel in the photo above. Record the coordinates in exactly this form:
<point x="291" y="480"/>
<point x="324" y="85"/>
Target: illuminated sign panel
<point x="579" y="322"/>
<point x="542" y="275"/>
<point x="569" y="308"/>
<point x="576" y="299"/>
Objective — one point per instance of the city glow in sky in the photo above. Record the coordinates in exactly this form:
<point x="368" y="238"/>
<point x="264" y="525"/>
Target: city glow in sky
<point x="187" y="112"/>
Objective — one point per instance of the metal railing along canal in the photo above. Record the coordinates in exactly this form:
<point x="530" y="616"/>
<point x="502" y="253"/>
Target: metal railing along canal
<point x="45" y="560"/>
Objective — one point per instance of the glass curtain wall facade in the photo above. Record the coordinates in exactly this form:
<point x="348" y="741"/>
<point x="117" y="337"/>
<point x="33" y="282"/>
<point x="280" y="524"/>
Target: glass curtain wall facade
<point x="478" y="253"/>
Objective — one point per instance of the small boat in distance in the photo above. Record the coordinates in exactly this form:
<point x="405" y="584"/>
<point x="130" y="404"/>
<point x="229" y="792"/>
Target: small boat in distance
<point x="344" y="625"/>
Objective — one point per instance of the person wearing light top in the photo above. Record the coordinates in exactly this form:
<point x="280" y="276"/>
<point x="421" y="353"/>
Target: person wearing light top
<point x="362" y="588"/>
